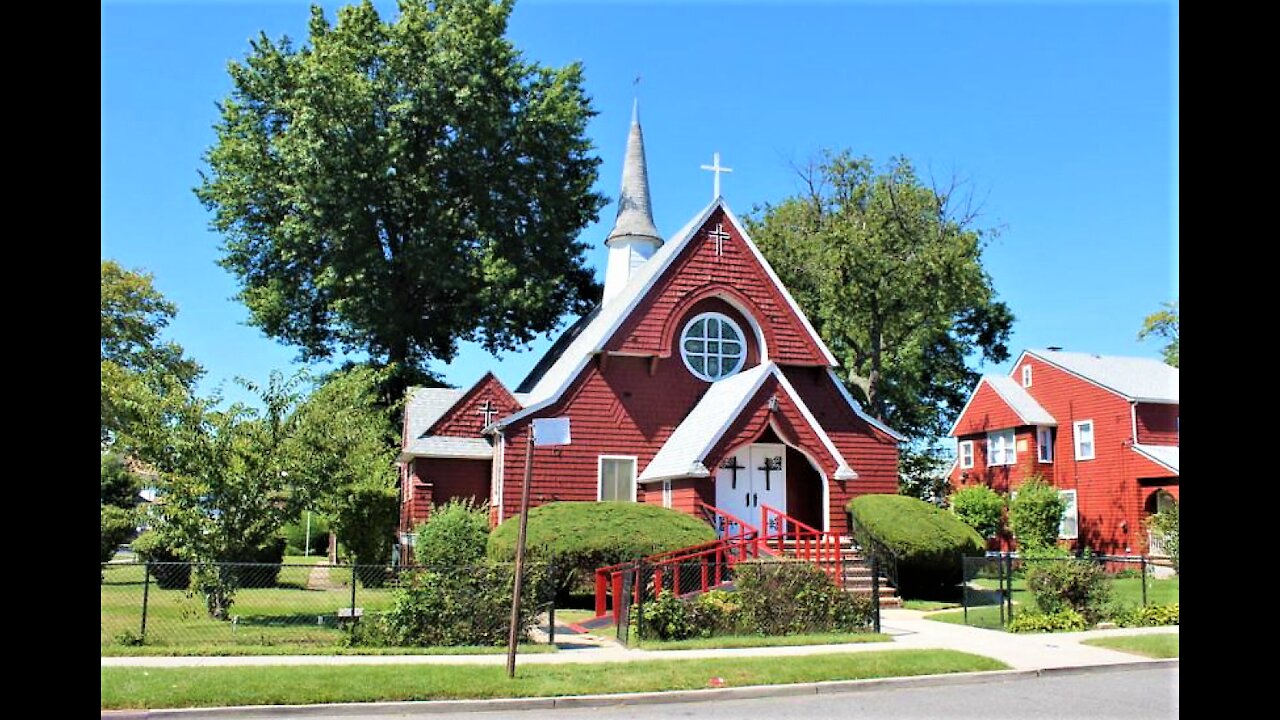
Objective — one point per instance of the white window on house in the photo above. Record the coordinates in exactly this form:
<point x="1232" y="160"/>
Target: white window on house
<point x="1000" y="448"/>
<point x="617" y="478"/>
<point x="666" y="493"/>
<point x="712" y="346"/>
<point x="1069" y="527"/>
<point x="966" y="454"/>
<point x="1026" y="375"/>
<point x="1084" y="439"/>
<point x="1044" y="444"/>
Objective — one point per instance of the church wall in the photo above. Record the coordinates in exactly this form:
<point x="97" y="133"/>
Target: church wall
<point x="464" y="418"/>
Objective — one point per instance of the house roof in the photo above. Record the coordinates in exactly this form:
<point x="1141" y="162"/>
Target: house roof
<point x="427" y="405"/>
<point x="597" y="330"/>
<point x="1019" y="400"/>
<point x="444" y="446"/>
<point x="683" y="452"/>
<point x="424" y="408"/>
<point x="1166" y="455"/>
<point x="1142" y="379"/>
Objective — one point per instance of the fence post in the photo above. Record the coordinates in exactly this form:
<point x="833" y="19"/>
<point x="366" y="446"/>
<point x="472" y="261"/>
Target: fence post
<point x="354" y="619"/>
<point x="639" y="599"/>
<point x="964" y="587"/>
<point x="1002" y="592"/>
<point x="146" y="588"/>
<point x="1008" y="559"/>
<point x="875" y="590"/>
<point x="1144" y="581"/>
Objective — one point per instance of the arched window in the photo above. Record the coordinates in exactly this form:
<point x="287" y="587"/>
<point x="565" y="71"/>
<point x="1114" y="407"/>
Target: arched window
<point x="712" y="346"/>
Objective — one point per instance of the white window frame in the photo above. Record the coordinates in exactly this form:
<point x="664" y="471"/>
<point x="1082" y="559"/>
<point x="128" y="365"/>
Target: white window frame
<point x="1044" y="441"/>
<point x="960" y="454"/>
<point x="666" y="493"/>
<point x="1093" y="439"/>
<point x="600" y="474"/>
<point x="1026" y="375"/>
<point x="1009" y="450"/>
<point x="1072" y="508"/>
<point x="742" y="340"/>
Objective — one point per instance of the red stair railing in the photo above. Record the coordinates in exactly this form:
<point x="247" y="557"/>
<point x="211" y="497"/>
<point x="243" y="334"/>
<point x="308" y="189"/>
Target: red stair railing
<point x="819" y="547"/>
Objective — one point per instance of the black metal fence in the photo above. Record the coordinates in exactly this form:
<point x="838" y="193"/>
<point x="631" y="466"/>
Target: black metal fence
<point x="193" y="607"/>
<point x="994" y="587"/>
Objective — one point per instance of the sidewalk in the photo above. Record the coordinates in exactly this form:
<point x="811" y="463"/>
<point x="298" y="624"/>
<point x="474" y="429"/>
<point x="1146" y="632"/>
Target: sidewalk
<point x="907" y="628"/>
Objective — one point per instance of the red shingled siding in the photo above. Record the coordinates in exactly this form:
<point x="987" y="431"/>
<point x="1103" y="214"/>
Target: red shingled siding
<point x="736" y="273"/>
<point x="988" y="411"/>
<point x="464" y="419"/>
<point x="1157" y="424"/>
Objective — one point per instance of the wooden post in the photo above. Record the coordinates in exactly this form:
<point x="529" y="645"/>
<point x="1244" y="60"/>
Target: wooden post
<point x="520" y="538"/>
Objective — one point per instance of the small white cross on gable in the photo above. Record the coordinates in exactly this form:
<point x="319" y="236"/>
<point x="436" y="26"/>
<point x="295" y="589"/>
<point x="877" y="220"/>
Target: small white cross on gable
<point x="716" y="168"/>
<point x="719" y="235"/>
<point x="488" y="411"/>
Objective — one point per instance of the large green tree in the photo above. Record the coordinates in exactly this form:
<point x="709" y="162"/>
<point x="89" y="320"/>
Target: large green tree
<point x="396" y="187"/>
<point x="1164" y="323"/>
<point x="889" y="270"/>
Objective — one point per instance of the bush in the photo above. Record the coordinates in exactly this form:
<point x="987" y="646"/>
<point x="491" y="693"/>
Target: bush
<point x="929" y="542"/>
<point x="717" y="612"/>
<point x="271" y="554"/>
<point x="1067" y="620"/>
<point x="1059" y="582"/>
<point x="455" y="535"/>
<point x="117" y="525"/>
<point x="365" y="521"/>
<point x="295" y="535"/>
<point x="467" y="607"/>
<point x="1035" y="514"/>
<point x="1149" y="616"/>
<point x="788" y="597"/>
<point x="979" y="507"/>
<point x="579" y="537"/>
<point x="1165" y="524"/>
<point x="667" y="618"/>
<point x="151" y="549"/>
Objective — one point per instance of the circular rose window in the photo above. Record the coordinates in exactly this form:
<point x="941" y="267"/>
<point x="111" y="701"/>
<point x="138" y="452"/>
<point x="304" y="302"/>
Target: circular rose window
<point x="712" y="346"/>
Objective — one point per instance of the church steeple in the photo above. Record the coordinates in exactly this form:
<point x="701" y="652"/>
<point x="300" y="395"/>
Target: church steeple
<point x="634" y="237"/>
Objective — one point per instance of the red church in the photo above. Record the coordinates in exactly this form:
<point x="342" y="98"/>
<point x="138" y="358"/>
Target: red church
<point x="697" y="380"/>
<point x="1102" y="429"/>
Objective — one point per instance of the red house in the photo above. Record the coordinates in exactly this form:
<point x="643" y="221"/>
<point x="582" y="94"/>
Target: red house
<point x="1102" y="429"/>
<point x="697" y="378"/>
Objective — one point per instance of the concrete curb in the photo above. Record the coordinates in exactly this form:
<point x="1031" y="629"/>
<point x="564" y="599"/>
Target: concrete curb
<point x="433" y="707"/>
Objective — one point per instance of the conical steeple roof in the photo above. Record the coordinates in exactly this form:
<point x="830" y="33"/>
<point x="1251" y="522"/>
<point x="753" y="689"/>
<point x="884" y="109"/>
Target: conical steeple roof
<point x="635" y="216"/>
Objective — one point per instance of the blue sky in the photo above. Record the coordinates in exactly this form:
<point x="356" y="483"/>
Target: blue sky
<point x="1062" y="117"/>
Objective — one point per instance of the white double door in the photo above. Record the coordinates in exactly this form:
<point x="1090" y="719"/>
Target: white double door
<point x="754" y="476"/>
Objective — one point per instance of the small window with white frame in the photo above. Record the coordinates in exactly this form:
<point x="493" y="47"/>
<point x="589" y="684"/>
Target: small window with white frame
<point x="1084" y="439"/>
<point x="617" y="478"/>
<point x="1069" y="527"/>
<point x="1044" y="444"/>
<point x="1000" y="448"/>
<point x="1026" y="375"/>
<point x="965" y="452"/>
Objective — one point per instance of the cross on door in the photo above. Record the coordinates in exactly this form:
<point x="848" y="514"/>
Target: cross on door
<point x="770" y="464"/>
<point x="732" y="466"/>
<point x="488" y="411"/>
<point x="719" y="235"/>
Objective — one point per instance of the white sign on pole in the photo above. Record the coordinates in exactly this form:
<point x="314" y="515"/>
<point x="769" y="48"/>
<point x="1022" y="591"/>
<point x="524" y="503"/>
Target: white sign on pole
<point x="551" y="431"/>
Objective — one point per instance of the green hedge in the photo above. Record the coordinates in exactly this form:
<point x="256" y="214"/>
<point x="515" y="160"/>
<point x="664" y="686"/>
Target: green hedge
<point x="150" y="548"/>
<point x="928" y="541"/>
<point x="578" y="537"/>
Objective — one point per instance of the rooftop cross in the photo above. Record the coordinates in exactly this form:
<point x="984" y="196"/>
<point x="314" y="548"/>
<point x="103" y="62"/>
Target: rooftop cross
<point x="488" y="411"/>
<point x="716" y="168"/>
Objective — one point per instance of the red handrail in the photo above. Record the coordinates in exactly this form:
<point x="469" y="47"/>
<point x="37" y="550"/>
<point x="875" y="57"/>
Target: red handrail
<point x="821" y="547"/>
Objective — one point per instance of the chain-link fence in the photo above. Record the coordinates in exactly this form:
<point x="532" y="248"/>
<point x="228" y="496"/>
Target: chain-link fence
<point x="214" y="607"/>
<point x="995" y="590"/>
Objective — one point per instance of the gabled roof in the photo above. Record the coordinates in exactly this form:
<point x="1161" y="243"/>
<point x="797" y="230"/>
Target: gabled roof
<point x="682" y="454"/>
<point x="1141" y="379"/>
<point x="1165" y="455"/>
<point x="1014" y="396"/>
<point x="425" y="407"/>
<point x="597" y="331"/>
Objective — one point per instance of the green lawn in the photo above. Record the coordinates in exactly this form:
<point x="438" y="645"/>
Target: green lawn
<point x="237" y="650"/>
<point x="1125" y="590"/>
<point x="311" y="559"/>
<point x="1156" y="646"/>
<point x="929" y="605"/>
<point x="220" y="686"/>
<point x="741" y="641"/>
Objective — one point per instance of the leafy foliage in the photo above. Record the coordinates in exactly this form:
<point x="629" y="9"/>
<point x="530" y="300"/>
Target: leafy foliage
<point x="295" y="535"/>
<point x="1164" y="323"/>
<point x="928" y="541"/>
<point x="167" y="566"/>
<point x="366" y="517"/>
<point x="1165" y="525"/>
<point x="119" y="485"/>
<point x="455" y="535"/>
<point x="922" y="472"/>
<point x="396" y="187"/>
<point x="889" y="271"/>
<point x="1148" y="616"/>
<point x="117" y="525"/>
<point x="1058" y="582"/>
<point x="667" y="617"/>
<point x="1035" y="514"/>
<point x="787" y="597"/>
<point x="979" y="507"/>
<point x="1066" y="620"/>
<point x="578" y="537"/>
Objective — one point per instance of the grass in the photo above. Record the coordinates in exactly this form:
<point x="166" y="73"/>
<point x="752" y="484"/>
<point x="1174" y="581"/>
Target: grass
<point x="1155" y="646"/>
<point x="573" y="615"/>
<point x="929" y="605"/>
<point x="312" y="559"/>
<point x="221" y="686"/>
<point x="742" y="641"/>
<point x="1123" y="590"/>
<point x="238" y="650"/>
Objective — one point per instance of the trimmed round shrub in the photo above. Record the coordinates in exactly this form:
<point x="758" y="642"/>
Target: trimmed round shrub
<point x="928" y="542"/>
<point x="979" y="507"/>
<point x="579" y="537"/>
<point x="271" y="554"/>
<point x="454" y="537"/>
<point x="167" y="567"/>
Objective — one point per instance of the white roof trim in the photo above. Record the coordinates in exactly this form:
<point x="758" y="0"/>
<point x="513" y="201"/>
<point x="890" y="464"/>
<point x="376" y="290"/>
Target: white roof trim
<point x="1146" y="451"/>
<point x="592" y="341"/>
<point x="1091" y="381"/>
<point x="1014" y="402"/>
<point x="857" y="408"/>
<point x="986" y="380"/>
<point x="843" y="471"/>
